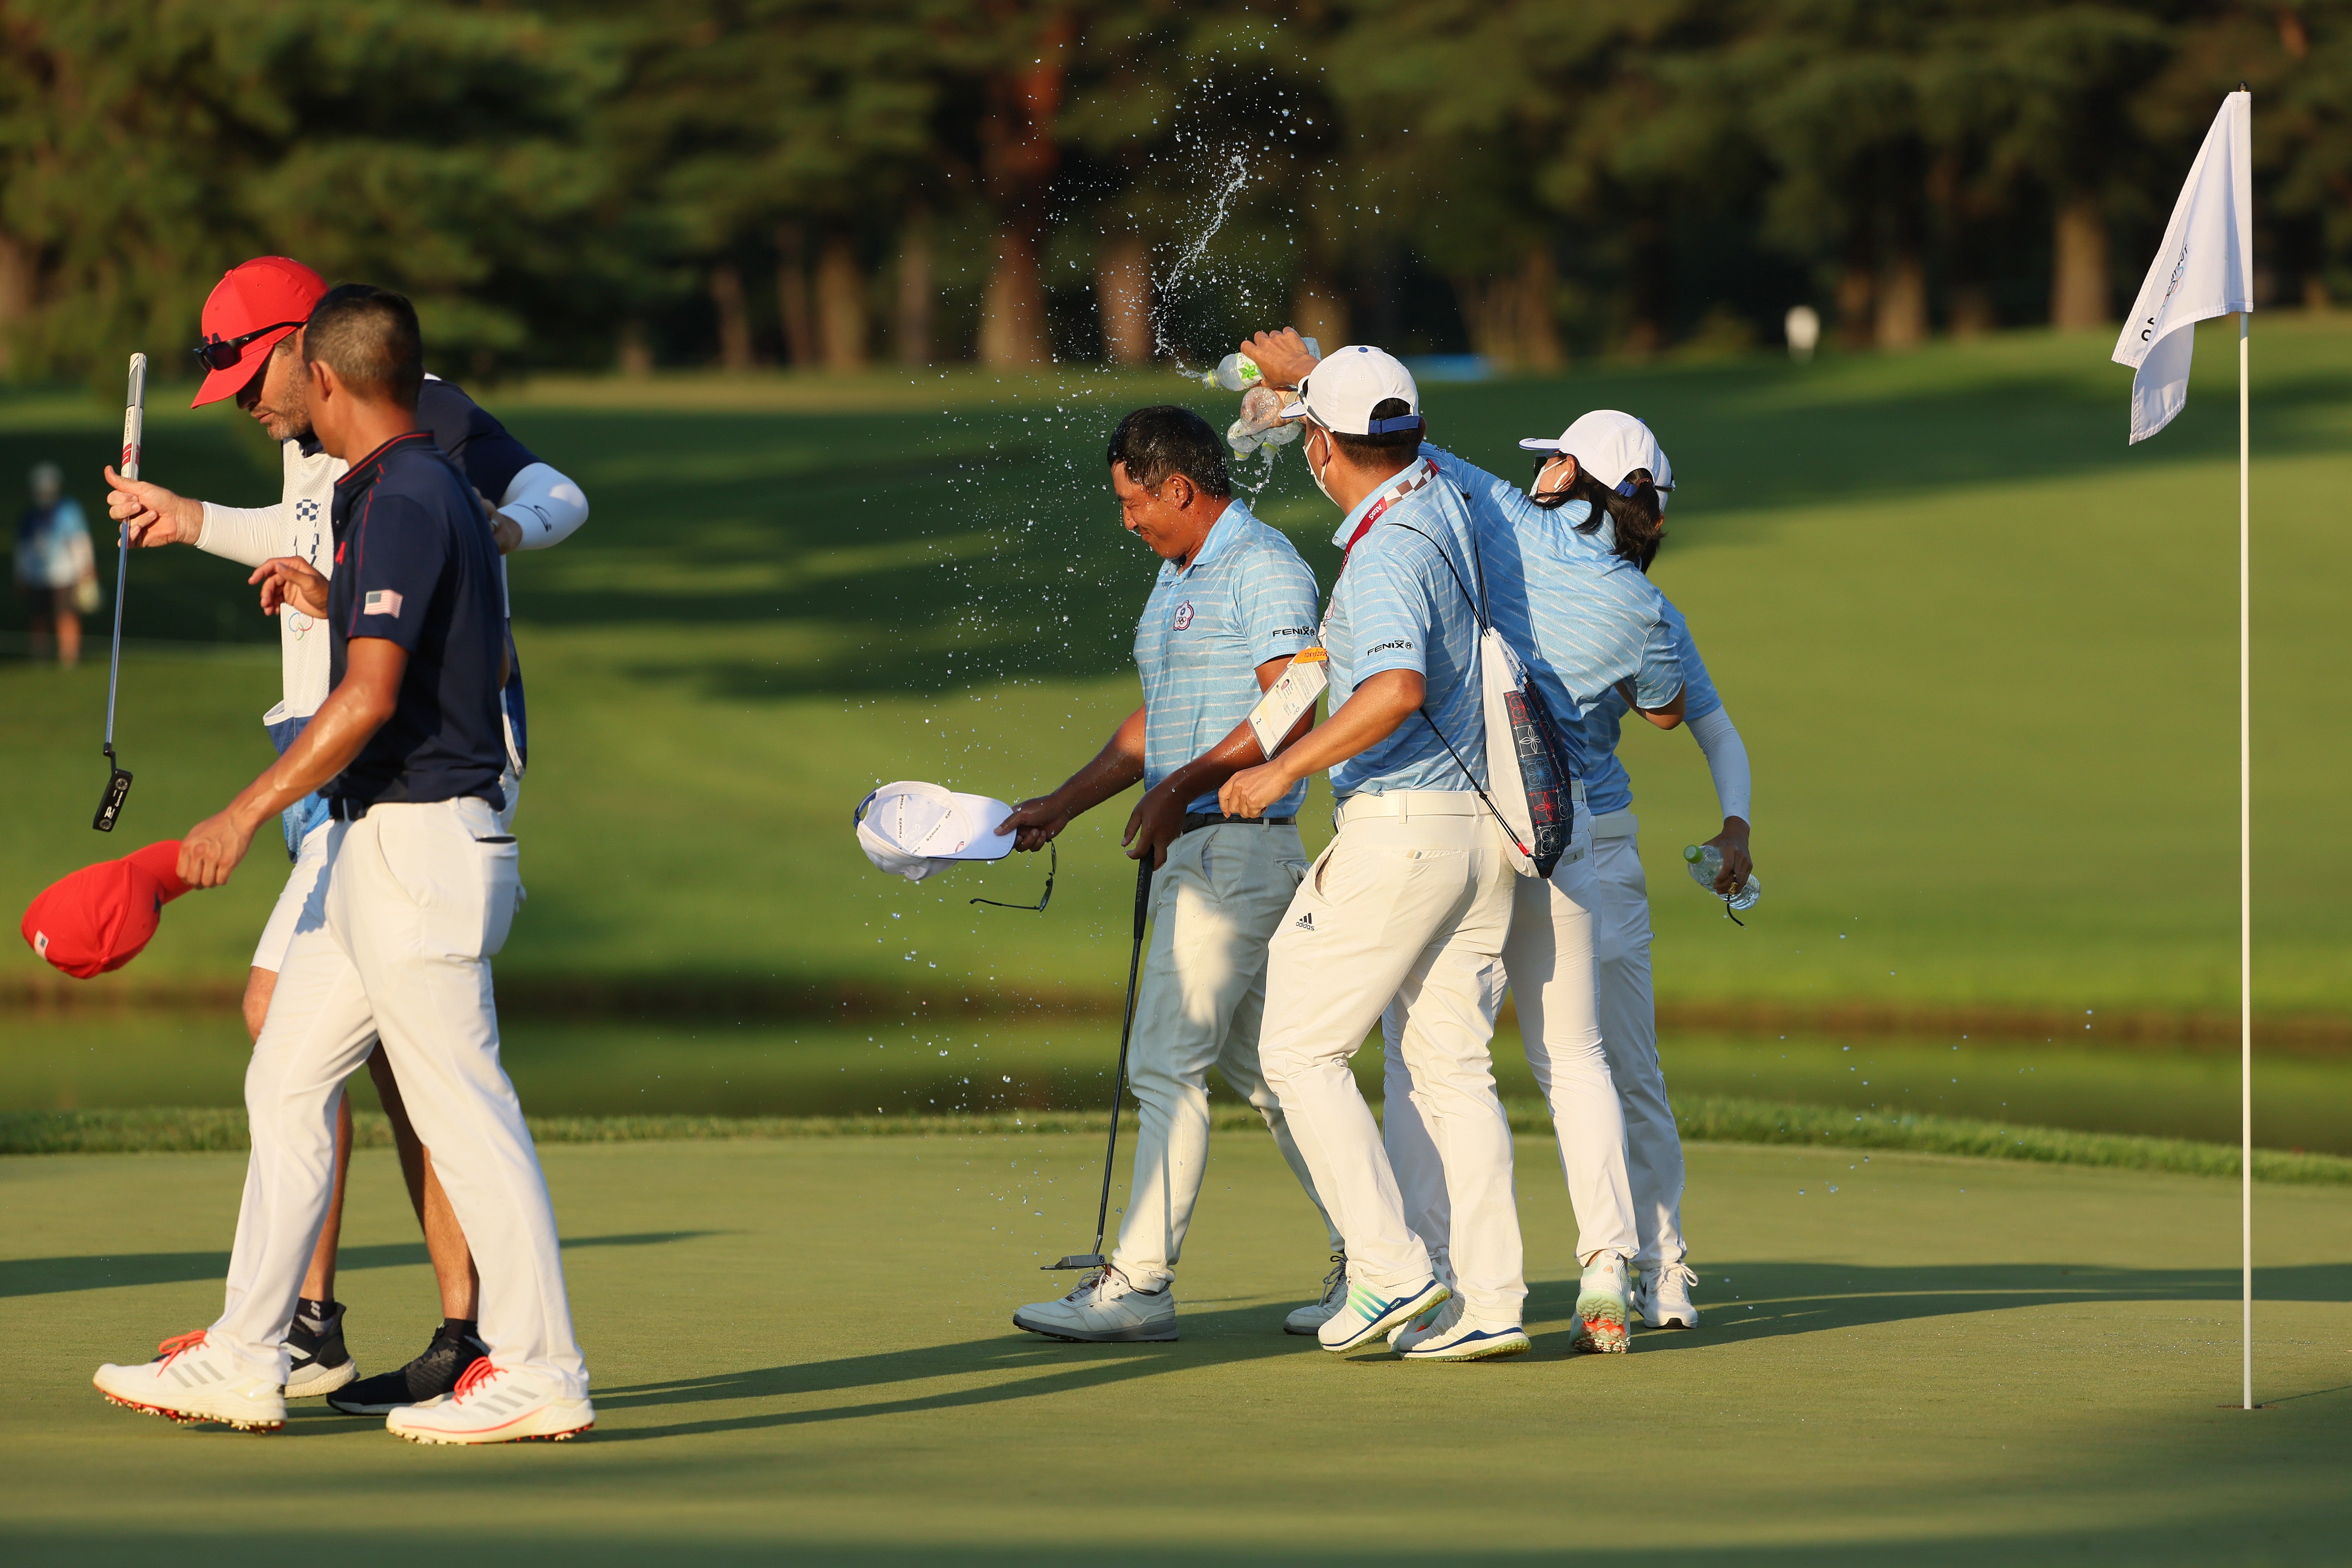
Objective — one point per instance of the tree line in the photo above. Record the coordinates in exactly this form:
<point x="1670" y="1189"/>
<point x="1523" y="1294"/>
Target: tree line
<point x="834" y="184"/>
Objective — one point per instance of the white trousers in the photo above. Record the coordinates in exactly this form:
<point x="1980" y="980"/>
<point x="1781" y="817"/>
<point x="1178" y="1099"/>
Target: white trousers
<point x="301" y="903"/>
<point x="1214" y="906"/>
<point x="417" y="899"/>
<point x="1548" y="959"/>
<point x="1412" y="910"/>
<point x="1629" y="1033"/>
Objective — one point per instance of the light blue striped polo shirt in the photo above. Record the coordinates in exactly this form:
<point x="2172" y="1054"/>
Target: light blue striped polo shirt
<point x="1246" y="598"/>
<point x="1608" y="787"/>
<point x="1397" y="606"/>
<point x="1582" y="619"/>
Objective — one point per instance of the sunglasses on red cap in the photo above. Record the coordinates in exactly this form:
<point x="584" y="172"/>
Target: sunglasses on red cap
<point x="222" y="354"/>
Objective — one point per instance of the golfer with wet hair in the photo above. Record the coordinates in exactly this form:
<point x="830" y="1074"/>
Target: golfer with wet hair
<point x="1234" y="602"/>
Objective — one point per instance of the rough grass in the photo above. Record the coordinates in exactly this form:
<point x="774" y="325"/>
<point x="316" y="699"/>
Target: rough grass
<point x="1710" y="1120"/>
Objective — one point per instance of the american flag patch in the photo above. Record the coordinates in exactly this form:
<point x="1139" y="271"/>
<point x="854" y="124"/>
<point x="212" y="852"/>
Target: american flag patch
<point x="381" y="602"/>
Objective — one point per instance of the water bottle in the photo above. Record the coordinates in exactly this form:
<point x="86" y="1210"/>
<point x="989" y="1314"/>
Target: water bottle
<point x="1706" y="863"/>
<point x="1261" y="425"/>
<point x="1239" y="373"/>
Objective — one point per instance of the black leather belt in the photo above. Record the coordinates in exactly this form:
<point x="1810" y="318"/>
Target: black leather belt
<point x="343" y="809"/>
<point x="1196" y="820"/>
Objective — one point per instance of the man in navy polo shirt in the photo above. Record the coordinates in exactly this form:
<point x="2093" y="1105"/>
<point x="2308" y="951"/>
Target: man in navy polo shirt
<point x="1232" y="603"/>
<point x="420" y="891"/>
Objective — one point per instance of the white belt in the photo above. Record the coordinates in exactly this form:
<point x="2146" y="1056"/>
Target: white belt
<point x="1407" y="804"/>
<point x="1616" y="825"/>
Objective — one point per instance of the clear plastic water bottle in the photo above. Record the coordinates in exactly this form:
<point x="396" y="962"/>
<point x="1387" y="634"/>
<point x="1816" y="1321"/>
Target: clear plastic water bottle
<point x="1705" y="862"/>
<point x="1239" y="373"/>
<point x="1261" y="425"/>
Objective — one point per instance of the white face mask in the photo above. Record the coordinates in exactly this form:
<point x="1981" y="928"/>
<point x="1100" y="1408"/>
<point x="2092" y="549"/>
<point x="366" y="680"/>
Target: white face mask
<point x="1312" y="471"/>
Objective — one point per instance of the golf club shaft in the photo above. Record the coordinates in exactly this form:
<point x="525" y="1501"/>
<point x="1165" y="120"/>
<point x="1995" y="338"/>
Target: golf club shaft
<point x="1126" y="1032"/>
<point x="135" y="436"/>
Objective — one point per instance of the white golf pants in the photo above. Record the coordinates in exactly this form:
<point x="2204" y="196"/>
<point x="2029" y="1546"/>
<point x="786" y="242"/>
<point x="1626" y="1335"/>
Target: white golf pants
<point x="418" y="897"/>
<point x="1547" y="961"/>
<point x="1215" y="905"/>
<point x="1629" y="1033"/>
<point x="1410" y="909"/>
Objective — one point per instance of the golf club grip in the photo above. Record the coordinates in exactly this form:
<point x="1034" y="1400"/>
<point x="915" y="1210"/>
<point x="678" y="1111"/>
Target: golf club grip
<point x="1142" y="894"/>
<point x="135" y="417"/>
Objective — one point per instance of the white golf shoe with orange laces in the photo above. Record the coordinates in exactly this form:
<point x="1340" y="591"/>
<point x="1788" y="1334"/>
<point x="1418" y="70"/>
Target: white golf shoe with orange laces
<point x="494" y="1405"/>
<point x="191" y="1383"/>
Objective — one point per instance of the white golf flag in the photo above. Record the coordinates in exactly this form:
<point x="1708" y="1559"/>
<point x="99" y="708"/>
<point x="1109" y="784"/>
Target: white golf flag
<point x="2202" y="269"/>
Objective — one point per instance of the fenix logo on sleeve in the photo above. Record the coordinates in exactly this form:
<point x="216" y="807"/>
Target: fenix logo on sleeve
<point x="381" y="602"/>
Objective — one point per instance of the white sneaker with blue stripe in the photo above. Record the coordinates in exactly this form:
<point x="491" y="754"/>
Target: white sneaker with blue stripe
<point x="1369" y="1315"/>
<point x="1467" y="1342"/>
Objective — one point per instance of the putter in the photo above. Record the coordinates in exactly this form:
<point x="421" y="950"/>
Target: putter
<point x="1096" y="1260"/>
<point x="134" y="423"/>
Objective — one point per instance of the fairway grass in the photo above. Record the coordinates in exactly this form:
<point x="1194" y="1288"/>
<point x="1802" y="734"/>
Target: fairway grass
<point x="801" y="1352"/>
<point x="1981" y="650"/>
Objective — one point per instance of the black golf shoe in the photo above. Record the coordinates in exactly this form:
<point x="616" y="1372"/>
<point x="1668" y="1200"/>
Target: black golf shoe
<point x="314" y="1347"/>
<point x="429" y="1376"/>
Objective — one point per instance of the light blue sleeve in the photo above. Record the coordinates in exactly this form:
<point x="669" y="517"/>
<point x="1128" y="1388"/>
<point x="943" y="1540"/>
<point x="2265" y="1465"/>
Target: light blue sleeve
<point x="1703" y="698"/>
<point x="69" y="520"/>
<point x="1661" y="675"/>
<point x="1274" y="605"/>
<point x="1487" y="490"/>
<point x="1392" y="618"/>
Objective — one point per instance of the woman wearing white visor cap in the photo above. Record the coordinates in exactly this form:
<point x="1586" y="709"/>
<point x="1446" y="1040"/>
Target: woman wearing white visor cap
<point x="1599" y="475"/>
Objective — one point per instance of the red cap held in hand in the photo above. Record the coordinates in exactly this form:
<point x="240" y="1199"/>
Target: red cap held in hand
<point x="99" y="918"/>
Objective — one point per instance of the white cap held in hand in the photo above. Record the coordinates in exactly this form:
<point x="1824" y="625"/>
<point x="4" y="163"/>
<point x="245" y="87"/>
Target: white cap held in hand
<point x="911" y="829"/>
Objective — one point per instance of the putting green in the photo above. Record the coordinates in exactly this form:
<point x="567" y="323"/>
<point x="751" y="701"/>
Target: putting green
<point x="802" y="1346"/>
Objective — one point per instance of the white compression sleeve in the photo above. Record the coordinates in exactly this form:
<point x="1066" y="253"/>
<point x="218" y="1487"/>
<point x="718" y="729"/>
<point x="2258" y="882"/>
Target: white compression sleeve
<point x="249" y="534"/>
<point x="1727" y="758"/>
<point x="546" y="505"/>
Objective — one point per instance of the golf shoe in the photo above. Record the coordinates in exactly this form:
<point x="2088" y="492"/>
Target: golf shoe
<point x="317" y="1360"/>
<point x="1368" y="1314"/>
<point x="1442" y="1319"/>
<point x="1467" y="1342"/>
<point x="1105" y="1308"/>
<point x="492" y="1406"/>
<point x="1663" y="1298"/>
<point x="191" y="1383"/>
<point x="431" y="1375"/>
<point x="1601" y="1306"/>
<point x="1307" y="1318"/>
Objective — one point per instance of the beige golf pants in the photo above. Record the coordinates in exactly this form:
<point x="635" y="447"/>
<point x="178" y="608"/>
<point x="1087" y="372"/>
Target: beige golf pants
<point x="1629" y="1033"/>
<point x="1215" y="905"/>
<point x="418" y="897"/>
<point x="1410" y="909"/>
<point x="1548" y="962"/>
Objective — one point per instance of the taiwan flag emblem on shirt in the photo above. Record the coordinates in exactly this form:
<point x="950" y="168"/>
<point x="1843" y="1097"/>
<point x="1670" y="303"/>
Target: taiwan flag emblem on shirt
<point x="1183" y="614"/>
<point x="381" y="602"/>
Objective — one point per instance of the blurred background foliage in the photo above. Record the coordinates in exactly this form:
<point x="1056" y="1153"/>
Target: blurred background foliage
<point x="833" y="184"/>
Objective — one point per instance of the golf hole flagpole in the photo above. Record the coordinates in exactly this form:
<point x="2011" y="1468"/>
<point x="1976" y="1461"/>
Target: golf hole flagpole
<point x="2245" y="875"/>
<point x="2203" y="269"/>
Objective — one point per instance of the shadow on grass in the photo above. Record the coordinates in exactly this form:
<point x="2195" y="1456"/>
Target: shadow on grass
<point x="1778" y="1299"/>
<point x="53" y="1276"/>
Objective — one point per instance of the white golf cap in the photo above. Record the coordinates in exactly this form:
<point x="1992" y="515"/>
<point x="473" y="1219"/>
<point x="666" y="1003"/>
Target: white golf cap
<point x="1341" y="392"/>
<point x="1609" y="445"/>
<point x="911" y="829"/>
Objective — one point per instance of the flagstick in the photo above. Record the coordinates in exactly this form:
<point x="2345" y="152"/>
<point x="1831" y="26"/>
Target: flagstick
<point x="2245" y="893"/>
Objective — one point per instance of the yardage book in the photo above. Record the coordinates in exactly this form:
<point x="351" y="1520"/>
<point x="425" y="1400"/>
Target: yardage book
<point x="1289" y="697"/>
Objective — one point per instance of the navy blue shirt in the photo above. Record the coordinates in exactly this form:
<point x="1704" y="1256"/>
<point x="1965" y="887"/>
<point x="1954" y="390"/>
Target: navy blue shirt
<point x="414" y="565"/>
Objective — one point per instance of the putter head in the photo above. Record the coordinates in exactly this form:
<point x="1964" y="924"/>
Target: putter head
<point x="1078" y="1260"/>
<point x="117" y="788"/>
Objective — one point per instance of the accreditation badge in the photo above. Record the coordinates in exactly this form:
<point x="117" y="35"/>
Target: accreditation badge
<point x="1290" y="697"/>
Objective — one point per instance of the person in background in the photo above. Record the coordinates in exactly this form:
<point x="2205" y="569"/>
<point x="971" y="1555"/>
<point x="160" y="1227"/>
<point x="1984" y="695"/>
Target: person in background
<point x="55" y="567"/>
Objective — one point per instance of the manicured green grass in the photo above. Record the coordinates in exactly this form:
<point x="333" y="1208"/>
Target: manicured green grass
<point x="1981" y="651"/>
<point x="1708" y="1119"/>
<point x="800" y="1351"/>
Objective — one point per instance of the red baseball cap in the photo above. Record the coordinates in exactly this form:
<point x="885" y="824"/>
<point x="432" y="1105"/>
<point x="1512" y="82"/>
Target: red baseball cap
<point x="99" y="918"/>
<point x="260" y="301"/>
